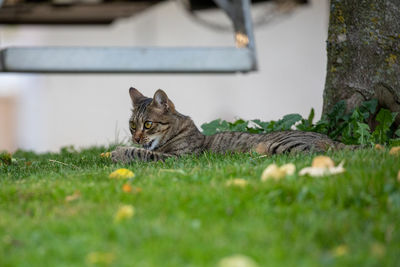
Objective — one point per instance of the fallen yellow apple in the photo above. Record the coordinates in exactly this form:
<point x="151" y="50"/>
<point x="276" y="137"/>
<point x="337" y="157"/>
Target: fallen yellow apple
<point x="395" y="151"/>
<point x="237" y="261"/>
<point x="276" y="173"/>
<point x="239" y="182"/>
<point x="105" y="155"/>
<point x="124" y="212"/>
<point x="122" y="174"/>
<point x="76" y="195"/>
<point x="340" y="250"/>
<point x="379" y="147"/>
<point x="322" y="166"/>
<point x="322" y="162"/>
<point x="378" y="250"/>
<point x="102" y="258"/>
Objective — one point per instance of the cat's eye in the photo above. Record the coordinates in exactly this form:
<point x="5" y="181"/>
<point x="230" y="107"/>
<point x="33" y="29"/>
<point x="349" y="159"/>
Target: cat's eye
<point x="148" y="124"/>
<point x="133" y="126"/>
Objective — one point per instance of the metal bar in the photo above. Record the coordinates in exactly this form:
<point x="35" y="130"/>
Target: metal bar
<point x="144" y="60"/>
<point x="248" y="24"/>
<point x="76" y="13"/>
<point x="225" y="5"/>
<point x="124" y="59"/>
<point x="243" y="26"/>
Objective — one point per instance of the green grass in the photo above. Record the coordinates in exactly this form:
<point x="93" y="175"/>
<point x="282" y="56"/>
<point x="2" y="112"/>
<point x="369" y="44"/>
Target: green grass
<point x="187" y="216"/>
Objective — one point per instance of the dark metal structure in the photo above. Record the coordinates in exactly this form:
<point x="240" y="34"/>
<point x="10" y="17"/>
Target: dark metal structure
<point x="70" y="11"/>
<point x="239" y="58"/>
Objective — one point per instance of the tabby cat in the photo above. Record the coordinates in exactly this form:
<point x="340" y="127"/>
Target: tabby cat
<point x="163" y="132"/>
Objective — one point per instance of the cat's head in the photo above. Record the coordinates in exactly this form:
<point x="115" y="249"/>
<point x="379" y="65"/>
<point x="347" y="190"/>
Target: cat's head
<point x="154" y="120"/>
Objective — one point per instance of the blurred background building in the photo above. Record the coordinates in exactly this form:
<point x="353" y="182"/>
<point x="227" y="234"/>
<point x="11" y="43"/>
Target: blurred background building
<point x="43" y="112"/>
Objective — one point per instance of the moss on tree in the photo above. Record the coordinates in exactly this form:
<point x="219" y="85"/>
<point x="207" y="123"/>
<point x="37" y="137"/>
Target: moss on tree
<point x="363" y="53"/>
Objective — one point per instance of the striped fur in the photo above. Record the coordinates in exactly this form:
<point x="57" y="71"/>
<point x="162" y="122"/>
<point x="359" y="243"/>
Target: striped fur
<point x="172" y="134"/>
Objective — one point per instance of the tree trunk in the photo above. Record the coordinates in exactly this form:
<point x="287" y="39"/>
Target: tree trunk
<point x="363" y="54"/>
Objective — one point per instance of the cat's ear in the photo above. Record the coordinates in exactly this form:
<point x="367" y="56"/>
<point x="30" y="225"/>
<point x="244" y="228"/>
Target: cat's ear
<point x="161" y="101"/>
<point x="135" y="95"/>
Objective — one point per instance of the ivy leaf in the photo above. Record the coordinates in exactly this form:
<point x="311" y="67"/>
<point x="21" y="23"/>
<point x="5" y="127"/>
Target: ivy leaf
<point x="260" y="126"/>
<point x="215" y="126"/>
<point x="238" y="126"/>
<point x="350" y="128"/>
<point x="265" y="126"/>
<point x="272" y="126"/>
<point x="368" y="107"/>
<point x="385" y="119"/>
<point x="237" y="122"/>
<point x="254" y="127"/>
<point x="211" y="127"/>
<point x="288" y="121"/>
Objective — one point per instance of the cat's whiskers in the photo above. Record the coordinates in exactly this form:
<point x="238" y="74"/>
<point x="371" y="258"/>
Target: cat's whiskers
<point x="154" y="143"/>
<point x="151" y="144"/>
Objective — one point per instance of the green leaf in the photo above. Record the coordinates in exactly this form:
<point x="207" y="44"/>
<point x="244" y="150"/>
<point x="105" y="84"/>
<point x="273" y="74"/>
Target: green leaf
<point x="254" y="130"/>
<point x="271" y="126"/>
<point x="394" y="142"/>
<point x="304" y="126"/>
<point x="307" y="124"/>
<point x="288" y="121"/>
<point x="385" y="119"/>
<point x="349" y="128"/>
<point x="347" y="136"/>
<point x="260" y="124"/>
<point x="211" y="127"/>
<point x="237" y="122"/>
<point x="311" y="116"/>
<point x="322" y="126"/>
<point x="350" y="134"/>
<point x="364" y="135"/>
<point x="265" y="126"/>
<point x="397" y="132"/>
<point x="337" y="120"/>
<point x="215" y="126"/>
<point x="337" y="111"/>
<point x="238" y="126"/>
<point x="6" y="158"/>
<point x="356" y="116"/>
<point x="368" y="107"/>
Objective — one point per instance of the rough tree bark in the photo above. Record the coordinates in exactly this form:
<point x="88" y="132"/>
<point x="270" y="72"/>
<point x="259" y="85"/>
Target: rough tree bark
<point x="363" y="54"/>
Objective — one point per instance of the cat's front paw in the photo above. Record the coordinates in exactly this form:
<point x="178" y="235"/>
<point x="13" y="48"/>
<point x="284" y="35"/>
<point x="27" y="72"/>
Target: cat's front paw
<point x="120" y="155"/>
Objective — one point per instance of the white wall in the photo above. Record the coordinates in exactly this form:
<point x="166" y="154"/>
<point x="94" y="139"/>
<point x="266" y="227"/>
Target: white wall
<point x="63" y="109"/>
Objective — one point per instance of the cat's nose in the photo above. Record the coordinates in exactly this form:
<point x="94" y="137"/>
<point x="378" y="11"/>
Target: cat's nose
<point x="137" y="139"/>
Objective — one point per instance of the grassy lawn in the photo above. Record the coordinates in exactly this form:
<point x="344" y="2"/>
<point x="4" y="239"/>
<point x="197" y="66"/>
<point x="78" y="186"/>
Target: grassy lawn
<point x="185" y="215"/>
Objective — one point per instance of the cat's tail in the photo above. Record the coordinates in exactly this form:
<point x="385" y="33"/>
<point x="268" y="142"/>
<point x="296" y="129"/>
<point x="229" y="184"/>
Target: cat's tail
<point x="298" y="141"/>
